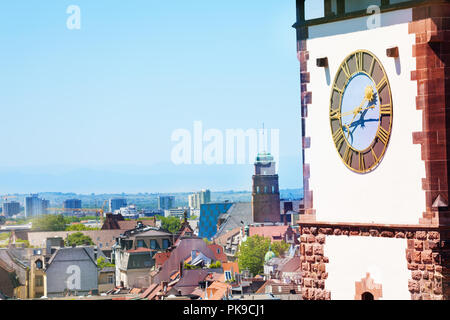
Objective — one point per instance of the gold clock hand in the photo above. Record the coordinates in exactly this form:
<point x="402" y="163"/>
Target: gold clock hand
<point x="368" y="96"/>
<point x="356" y="111"/>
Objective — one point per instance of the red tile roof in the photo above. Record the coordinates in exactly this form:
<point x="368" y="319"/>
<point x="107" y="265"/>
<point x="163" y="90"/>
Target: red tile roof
<point x="218" y="252"/>
<point x="292" y="265"/>
<point x="217" y="290"/>
<point x="228" y="266"/>
<point x="180" y="254"/>
<point x="161" y="257"/>
<point x="104" y="239"/>
<point x="129" y="225"/>
<point x="275" y="233"/>
<point x="139" y="250"/>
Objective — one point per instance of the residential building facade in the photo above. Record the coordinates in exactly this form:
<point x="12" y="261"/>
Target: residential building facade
<point x="116" y="204"/>
<point x="35" y="206"/>
<point x="11" y="208"/>
<point x="166" y="202"/>
<point x="197" y="199"/>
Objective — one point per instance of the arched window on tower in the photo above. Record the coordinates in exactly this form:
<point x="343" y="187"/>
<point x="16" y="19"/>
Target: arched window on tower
<point x="38" y="264"/>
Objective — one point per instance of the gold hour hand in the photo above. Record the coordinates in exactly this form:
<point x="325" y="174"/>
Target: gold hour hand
<point x="368" y="96"/>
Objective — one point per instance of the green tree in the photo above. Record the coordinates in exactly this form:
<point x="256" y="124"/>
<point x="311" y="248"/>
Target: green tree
<point x="215" y="265"/>
<point x="251" y="254"/>
<point x="170" y="224"/>
<point x="103" y="263"/>
<point x="49" y="223"/>
<point x="280" y="248"/>
<point x="78" y="239"/>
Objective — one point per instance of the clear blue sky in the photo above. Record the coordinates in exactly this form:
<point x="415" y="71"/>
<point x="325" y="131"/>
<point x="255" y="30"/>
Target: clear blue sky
<point x="107" y="97"/>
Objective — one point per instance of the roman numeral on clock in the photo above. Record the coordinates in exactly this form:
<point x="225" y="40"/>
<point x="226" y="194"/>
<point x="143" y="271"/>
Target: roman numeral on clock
<point x="374" y="155"/>
<point x="346" y="70"/>
<point x="383" y="135"/>
<point x="386" y="110"/>
<point x="372" y="65"/>
<point x="359" y="61"/>
<point x="335" y="114"/>
<point x="362" y="164"/>
<point x="338" y="138"/>
<point x="348" y="156"/>
<point x="341" y="91"/>
<point x="381" y="84"/>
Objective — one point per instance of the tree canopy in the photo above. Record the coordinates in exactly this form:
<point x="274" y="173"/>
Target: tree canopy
<point x="280" y="248"/>
<point x="103" y="263"/>
<point x="49" y="223"/>
<point x="170" y="224"/>
<point x="78" y="239"/>
<point x="252" y="252"/>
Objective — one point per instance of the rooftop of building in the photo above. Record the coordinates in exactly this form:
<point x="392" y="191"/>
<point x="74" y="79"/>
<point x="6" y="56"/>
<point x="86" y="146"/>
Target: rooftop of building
<point x="238" y="215"/>
<point x="264" y="157"/>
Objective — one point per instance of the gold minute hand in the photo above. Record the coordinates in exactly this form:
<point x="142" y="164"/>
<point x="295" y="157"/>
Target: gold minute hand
<point x="355" y="112"/>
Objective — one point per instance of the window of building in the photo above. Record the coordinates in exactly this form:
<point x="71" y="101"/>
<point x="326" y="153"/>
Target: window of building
<point x="153" y="244"/>
<point x="257" y="189"/>
<point x="140" y="244"/>
<point x="166" y="243"/>
<point x="265" y="189"/>
<point x="273" y="189"/>
<point x="110" y="279"/>
<point x="39" y="281"/>
<point x="228" y="275"/>
<point x="38" y="264"/>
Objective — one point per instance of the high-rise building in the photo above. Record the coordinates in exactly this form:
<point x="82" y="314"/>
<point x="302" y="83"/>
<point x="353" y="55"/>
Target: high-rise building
<point x="116" y="204"/>
<point x="11" y="208"/>
<point x="72" y="204"/>
<point x="266" y="193"/>
<point x="35" y="206"/>
<point x="199" y="198"/>
<point x="166" y="202"/>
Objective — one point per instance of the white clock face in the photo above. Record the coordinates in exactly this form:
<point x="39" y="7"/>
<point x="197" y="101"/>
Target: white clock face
<point x="361" y="112"/>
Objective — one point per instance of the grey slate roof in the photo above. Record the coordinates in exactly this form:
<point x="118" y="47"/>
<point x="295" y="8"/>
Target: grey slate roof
<point x="239" y="213"/>
<point x="15" y="264"/>
<point x="69" y="253"/>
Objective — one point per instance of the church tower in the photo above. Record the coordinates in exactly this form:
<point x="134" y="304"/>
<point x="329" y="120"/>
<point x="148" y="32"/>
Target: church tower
<point x="375" y="114"/>
<point x="266" y="193"/>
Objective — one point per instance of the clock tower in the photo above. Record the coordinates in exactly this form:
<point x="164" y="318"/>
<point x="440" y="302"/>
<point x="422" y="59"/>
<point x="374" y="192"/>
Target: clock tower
<point x="375" y="113"/>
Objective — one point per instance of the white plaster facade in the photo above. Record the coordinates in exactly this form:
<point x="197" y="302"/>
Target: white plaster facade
<point x="392" y="193"/>
<point x="383" y="258"/>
